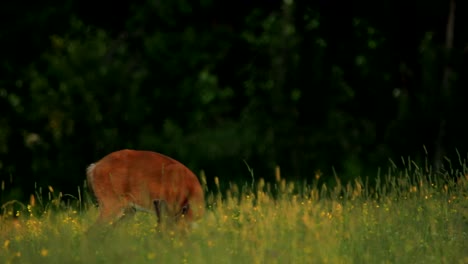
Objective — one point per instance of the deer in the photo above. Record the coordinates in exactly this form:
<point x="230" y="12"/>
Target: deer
<point x="127" y="181"/>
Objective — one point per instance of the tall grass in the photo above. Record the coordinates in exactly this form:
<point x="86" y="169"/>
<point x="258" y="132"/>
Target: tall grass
<point x="407" y="216"/>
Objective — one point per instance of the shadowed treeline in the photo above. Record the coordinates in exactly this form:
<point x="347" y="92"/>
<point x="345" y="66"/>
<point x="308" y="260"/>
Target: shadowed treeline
<point x="332" y="86"/>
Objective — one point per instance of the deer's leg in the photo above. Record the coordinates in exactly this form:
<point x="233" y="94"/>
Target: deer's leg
<point x="159" y="206"/>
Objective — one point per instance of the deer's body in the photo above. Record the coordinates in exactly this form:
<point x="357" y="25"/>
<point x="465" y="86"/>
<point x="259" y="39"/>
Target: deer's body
<point x="144" y="180"/>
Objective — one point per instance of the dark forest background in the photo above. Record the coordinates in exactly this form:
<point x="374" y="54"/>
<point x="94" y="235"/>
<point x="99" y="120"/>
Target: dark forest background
<point x="331" y="86"/>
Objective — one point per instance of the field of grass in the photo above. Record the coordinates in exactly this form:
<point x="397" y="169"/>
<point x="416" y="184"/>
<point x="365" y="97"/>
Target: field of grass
<point x="404" y="218"/>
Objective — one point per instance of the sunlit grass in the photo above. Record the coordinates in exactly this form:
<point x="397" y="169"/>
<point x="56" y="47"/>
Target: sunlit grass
<point x="404" y="218"/>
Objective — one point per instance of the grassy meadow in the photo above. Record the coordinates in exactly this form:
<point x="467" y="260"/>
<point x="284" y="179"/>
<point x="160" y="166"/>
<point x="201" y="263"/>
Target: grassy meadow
<point x="404" y="217"/>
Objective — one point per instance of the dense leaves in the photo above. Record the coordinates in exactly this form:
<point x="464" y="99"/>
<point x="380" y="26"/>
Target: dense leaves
<point x="331" y="86"/>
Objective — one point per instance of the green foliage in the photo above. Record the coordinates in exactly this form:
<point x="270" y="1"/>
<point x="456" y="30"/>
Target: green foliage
<point x="298" y="84"/>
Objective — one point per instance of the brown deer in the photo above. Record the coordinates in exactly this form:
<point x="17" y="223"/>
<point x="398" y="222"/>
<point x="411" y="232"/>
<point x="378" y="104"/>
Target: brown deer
<point x="133" y="180"/>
